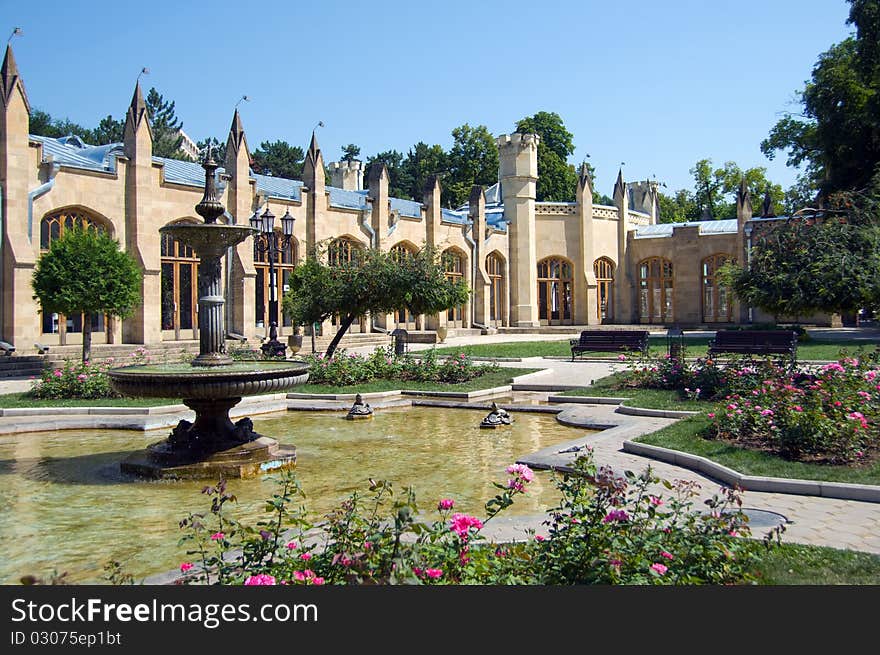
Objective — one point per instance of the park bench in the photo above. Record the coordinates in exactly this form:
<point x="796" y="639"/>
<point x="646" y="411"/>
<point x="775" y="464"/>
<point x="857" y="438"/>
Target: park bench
<point x="609" y="341"/>
<point x="755" y="342"/>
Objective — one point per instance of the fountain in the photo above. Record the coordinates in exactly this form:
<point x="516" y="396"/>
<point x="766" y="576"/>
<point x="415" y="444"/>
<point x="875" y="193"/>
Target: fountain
<point x="212" y="383"/>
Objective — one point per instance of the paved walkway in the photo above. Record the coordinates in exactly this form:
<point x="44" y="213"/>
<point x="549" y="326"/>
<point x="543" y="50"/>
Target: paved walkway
<point x="811" y="520"/>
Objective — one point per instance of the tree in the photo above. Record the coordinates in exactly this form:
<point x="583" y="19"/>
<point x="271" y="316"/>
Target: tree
<point x="678" y="208"/>
<point x="827" y="261"/>
<point x="85" y="272"/>
<point x="557" y="179"/>
<point x="279" y="159"/>
<point x="350" y="152"/>
<point x="376" y="282"/>
<point x="109" y="130"/>
<point x="393" y="161"/>
<point x="218" y="149"/>
<point x="165" y="125"/>
<point x="421" y="162"/>
<point x="473" y="159"/>
<point x="837" y="135"/>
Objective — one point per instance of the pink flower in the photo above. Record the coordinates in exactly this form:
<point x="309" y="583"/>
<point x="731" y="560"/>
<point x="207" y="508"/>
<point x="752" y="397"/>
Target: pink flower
<point x="299" y="576"/>
<point x="733" y="533"/>
<point x="522" y="471"/>
<point x="185" y="566"/>
<point x="621" y="358"/>
<point x="445" y="503"/>
<point x="305" y="557"/>
<point x="82" y="377"/>
<point x="57" y="373"/>
<point x="711" y="415"/>
<point x="290" y="545"/>
<point x="667" y="555"/>
<point x="217" y="536"/>
<point x="798" y="408"/>
<point x="433" y="573"/>
<point x="318" y="581"/>
<point x="261" y="579"/>
<point x="616" y="515"/>
<point x="615" y="563"/>
<point x="659" y="568"/>
<point x="655" y="501"/>
<point x="767" y="412"/>
<point x="462" y="523"/>
<point x="539" y="538"/>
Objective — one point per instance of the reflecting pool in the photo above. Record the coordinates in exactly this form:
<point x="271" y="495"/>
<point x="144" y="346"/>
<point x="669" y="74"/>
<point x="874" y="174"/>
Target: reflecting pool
<point x="65" y="506"/>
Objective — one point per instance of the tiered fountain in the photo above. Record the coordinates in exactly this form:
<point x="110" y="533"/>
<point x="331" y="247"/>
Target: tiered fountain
<point x="212" y="383"/>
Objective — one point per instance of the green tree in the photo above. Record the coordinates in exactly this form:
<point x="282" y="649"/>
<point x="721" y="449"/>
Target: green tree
<point x="420" y="163"/>
<point x="109" y="130"/>
<point x="715" y="189"/>
<point x="557" y="179"/>
<point x="165" y="126"/>
<point x="473" y="159"/>
<point x="218" y="149"/>
<point x="376" y="282"/>
<point x="837" y="133"/>
<point x="393" y="161"/>
<point x="350" y="152"/>
<point x="678" y="208"/>
<point x="279" y="159"/>
<point x="85" y="272"/>
<point x="828" y="262"/>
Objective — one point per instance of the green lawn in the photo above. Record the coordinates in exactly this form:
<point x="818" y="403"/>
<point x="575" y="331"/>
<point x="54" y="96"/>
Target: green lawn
<point x="10" y="400"/>
<point x="794" y="564"/>
<point x="497" y="378"/>
<point x="815" y="349"/>
<point x="684" y="436"/>
<point x="648" y="398"/>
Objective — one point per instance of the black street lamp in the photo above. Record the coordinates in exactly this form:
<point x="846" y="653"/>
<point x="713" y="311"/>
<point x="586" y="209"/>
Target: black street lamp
<point x="267" y="241"/>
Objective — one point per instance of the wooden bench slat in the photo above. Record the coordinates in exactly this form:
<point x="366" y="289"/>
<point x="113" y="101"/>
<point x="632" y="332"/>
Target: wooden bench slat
<point x="605" y="341"/>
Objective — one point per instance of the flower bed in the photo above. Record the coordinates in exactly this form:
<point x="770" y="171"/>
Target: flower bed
<point x="345" y="369"/>
<point x="76" y="379"/>
<point x="607" y="529"/>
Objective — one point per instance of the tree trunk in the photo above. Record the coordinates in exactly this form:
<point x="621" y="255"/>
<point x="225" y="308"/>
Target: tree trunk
<point x="87" y="337"/>
<point x="346" y="323"/>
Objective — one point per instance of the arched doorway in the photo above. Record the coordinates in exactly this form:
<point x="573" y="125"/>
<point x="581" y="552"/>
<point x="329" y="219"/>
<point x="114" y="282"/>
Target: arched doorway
<point x="403" y="318"/>
<point x="555" y="304"/>
<point x="180" y="293"/>
<point x="656" y="286"/>
<point x="604" y="270"/>
<point x="717" y="307"/>
<point x="495" y="269"/>
<point x="454" y="265"/>
<point x="285" y="261"/>
<point x="52" y="227"/>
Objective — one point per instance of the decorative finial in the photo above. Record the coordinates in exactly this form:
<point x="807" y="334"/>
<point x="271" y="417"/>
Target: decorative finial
<point x="210" y="208"/>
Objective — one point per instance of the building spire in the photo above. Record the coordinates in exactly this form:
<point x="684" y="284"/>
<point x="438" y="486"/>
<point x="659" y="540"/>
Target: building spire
<point x="10" y="78"/>
<point x="137" y="111"/>
<point x="619" y="185"/>
<point x="314" y="150"/>
<point x="236" y="131"/>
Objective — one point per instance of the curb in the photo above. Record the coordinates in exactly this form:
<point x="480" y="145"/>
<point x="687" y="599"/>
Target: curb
<point x="655" y="413"/>
<point x="839" y="490"/>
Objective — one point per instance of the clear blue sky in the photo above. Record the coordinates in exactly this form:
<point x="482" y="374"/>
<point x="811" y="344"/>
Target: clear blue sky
<point x="657" y="85"/>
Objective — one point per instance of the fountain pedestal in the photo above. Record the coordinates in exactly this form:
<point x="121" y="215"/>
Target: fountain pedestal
<point x="212" y="446"/>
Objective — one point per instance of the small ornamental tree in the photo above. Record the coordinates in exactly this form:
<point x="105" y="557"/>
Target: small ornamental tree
<point x="376" y="282"/>
<point x="86" y="272"/>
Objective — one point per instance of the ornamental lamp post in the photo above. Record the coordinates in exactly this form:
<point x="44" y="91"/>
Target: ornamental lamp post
<point x="267" y="241"/>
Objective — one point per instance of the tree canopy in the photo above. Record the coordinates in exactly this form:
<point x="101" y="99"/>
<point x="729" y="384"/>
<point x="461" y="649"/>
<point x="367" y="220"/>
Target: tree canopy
<point x="837" y="133"/>
<point x="84" y="271"/>
<point x="109" y="130"/>
<point x="279" y="159"/>
<point x="557" y="179"/>
<point x="473" y="159"/>
<point x="350" y="152"/>
<point x="376" y="282"/>
<point x="165" y="125"/>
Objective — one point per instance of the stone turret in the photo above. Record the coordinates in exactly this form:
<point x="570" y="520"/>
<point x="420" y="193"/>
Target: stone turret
<point x="518" y="164"/>
<point x="645" y="198"/>
<point x="141" y="223"/>
<point x="433" y="215"/>
<point x="623" y="283"/>
<point x="314" y="180"/>
<point x="378" y="181"/>
<point x="18" y="316"/>
<point x="585" y="285"/>
<point x="481" y="285"/>
<point x="348" y="175"/>
<point x="240" y="200"/>
<point x="743" y="239"/>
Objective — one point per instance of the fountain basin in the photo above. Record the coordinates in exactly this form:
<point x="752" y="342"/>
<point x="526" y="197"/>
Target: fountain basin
<point x="212" y="446"/>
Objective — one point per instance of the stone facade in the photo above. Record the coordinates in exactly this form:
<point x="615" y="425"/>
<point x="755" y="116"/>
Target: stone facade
<point x="528" y="263"/>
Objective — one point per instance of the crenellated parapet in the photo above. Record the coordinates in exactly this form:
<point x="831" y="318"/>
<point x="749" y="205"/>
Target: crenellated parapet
<point x="348" y="175"/>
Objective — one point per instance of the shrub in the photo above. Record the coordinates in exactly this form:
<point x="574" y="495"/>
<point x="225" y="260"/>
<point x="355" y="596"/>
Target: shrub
<point x="74" y="380"/>
<point x="607" y="529"/>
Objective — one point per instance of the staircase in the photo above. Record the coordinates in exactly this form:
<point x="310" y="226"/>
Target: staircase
<point x="168" y="351"/>
<point x="21" y="366"/>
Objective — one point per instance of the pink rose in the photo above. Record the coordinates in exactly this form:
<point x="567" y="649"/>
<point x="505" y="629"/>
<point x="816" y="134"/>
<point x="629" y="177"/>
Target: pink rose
<point x="659" y="568"/>
<point x="433" y="573"/>
<point x="217" y="536"/>
<point x="261" y="579"/>
<point x="185" y="566"/>
<point x="306" y="557"/>
<point x="445" y="503"/>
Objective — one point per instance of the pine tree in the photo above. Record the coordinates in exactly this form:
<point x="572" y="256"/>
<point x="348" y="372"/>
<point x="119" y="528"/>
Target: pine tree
<point x="165" y="125"/>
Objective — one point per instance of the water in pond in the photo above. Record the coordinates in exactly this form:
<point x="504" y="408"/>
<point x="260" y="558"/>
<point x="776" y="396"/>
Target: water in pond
<point x="65" y="506"/>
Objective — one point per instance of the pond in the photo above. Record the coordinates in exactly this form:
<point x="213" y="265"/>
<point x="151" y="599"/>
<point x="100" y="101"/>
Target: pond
<point x="66" y="507"/>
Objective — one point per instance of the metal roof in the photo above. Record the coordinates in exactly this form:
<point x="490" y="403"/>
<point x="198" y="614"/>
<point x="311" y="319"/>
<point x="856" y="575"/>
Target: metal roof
<point x="663" y="230"/>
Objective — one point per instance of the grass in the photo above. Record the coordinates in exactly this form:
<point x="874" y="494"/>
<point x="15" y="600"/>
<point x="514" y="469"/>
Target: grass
<point x="794" y="564"/>
<point x="497" y="378"/>
<point x="815" y="349"/>
<point x="10" y="400"/>
<point x="648" y="398"/>
<point x="685" y="436"/>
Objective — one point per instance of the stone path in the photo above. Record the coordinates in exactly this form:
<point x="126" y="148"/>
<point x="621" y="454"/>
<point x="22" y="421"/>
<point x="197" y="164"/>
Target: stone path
<point x="811" y="520"/>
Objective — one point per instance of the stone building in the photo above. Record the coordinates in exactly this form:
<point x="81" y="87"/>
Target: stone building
<point x="529" y="264"/>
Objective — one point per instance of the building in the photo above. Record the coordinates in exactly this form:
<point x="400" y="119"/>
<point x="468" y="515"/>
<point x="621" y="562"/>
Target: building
<point x="529" y="264"/>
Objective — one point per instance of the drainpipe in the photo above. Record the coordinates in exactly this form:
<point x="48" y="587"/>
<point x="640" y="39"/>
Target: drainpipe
<point x="41" y="190"/>
<point x="2" y="227"/>
<point x="473" y="245"/>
